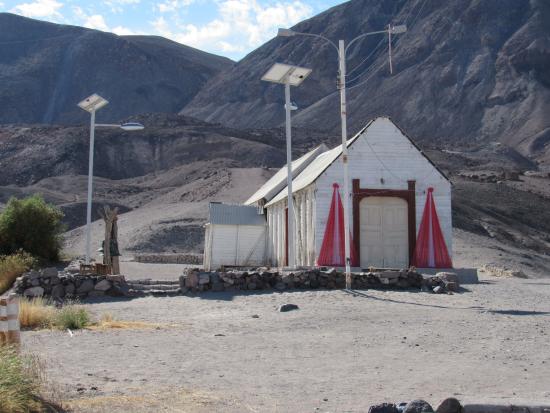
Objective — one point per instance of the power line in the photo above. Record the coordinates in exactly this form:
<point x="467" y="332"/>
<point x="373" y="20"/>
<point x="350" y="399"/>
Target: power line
<point x="394" y="42"/>
<point x="397" y="41"/>
<point x="366" y="58"/>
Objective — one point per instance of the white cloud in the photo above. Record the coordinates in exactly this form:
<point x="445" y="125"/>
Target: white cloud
<point x="117" y="6"/>
<point x="173" y="5"/>
<point x="93" y="21"/>
<point x="123" y="31"/>
<point x="39" y="9"/>
<point x="239" y="26"/>
<point x="97" y="22"/>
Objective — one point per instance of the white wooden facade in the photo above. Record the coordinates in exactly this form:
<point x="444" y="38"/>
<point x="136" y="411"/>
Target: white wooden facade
<point x="382" y="159"/>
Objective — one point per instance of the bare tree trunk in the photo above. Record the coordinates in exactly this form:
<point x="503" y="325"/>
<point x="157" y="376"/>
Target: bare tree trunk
<point x="114" y="236"/>
<point x="111" y="234"/>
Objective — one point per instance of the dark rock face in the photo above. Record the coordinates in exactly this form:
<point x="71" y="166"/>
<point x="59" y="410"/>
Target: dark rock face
<point x="466" y="72"/>
<point x="46" y="69"/>
<point x="418" y="406"/>
<point x="288" y="307"/>
<point x="384" y="408"/>
<point x="169" y="141"/>
<point x="450" y="405"/>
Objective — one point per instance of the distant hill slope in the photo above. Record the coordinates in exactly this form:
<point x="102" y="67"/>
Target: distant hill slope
<point x="468" y="73"/>
<point x="46" y="69"/>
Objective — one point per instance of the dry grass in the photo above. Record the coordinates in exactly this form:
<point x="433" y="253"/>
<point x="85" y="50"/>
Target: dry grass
<point x="176" y="400"/>
<point x="107" y="321"/>
<point x="20" y="381"/>
<point x="11" y="267"/>
<point x="36" y="313"/>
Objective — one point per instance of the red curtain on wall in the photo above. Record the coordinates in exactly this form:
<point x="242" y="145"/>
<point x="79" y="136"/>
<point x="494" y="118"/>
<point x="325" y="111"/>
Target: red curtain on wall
<point x="333" y="247"/>
<point x="431" y="250"/>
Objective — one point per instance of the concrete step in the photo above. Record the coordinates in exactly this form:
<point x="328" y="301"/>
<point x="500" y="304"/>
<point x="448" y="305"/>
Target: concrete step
<point x="154" y="292"/>
<point x="145" y="287"/>
<point x="153" y="282"/>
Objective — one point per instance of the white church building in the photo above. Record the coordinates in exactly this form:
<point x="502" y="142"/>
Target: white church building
<point x="400" y="200"/>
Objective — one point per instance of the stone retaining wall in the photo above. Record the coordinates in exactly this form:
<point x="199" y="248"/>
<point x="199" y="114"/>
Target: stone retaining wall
<point x="196" y="280"/>
<point x="68" y="285"/>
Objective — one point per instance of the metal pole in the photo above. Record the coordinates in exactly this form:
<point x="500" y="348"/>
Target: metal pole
<point x="290" y="200"/>
<point x="342" y="85"/>
<point x="90" y="178"/>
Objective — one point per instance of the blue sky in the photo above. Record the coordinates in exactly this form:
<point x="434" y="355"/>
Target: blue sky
<point x="230" y="28"/>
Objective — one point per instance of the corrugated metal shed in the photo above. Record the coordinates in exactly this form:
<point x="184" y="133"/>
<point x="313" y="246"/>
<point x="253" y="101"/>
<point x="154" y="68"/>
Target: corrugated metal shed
<point x="224" y="214"/>
<point x="278" y="181"/>
<point x="314" y="169"/>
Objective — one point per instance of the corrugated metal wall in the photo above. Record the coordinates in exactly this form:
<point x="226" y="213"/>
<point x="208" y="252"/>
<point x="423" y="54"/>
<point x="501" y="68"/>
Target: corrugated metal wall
<point x="242" y="245"/>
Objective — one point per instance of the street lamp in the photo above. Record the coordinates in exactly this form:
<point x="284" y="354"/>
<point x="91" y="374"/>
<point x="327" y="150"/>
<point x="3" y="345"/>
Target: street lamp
<point x="92" y="104"/>
<point x="341" y="49"/>
<point x="289" y="76"/>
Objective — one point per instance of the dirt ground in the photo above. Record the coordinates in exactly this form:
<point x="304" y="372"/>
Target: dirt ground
<point x="340" y="352"/>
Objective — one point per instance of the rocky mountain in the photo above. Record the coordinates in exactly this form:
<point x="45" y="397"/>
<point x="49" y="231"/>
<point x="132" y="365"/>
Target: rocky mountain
<point x="468" y="73"/>
<point x="46" y="69"/>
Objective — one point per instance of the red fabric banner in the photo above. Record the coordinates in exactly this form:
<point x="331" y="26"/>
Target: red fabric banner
<point x="431" y="249"/>
<point x="333" y="248"/>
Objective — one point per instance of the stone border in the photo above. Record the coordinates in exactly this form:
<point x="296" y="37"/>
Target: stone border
<point x="196" y="280"/>
<point x="68" y="285"/>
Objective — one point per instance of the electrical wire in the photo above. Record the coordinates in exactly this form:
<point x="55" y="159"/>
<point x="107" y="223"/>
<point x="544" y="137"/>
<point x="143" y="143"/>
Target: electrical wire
<point x="406" y="22"/>
<point x="395" y="43"/>
<point x="366" y="58"/>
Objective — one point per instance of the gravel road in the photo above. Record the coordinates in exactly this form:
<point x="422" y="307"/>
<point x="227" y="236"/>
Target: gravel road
<point x="339" y="352"/>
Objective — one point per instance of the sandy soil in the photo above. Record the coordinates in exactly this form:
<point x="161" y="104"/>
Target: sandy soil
<point x="340" y="352"/>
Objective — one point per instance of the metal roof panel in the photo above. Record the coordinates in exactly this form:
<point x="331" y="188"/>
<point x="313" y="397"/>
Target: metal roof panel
<point x="225" y="214"/>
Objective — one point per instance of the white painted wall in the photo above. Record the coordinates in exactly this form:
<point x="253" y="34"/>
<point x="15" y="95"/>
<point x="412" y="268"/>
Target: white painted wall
<point x="304" y="229"/>
<point x="383" y="152"/>
<point x="243" y="245"/>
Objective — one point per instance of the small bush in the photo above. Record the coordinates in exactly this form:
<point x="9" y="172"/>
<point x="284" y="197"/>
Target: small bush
<point x="36" y="313"/>
<point x="31" y="225"/>
<point x="73" y="317"/>
<point x="20" y="381"/>
<point x="11" y="267"/>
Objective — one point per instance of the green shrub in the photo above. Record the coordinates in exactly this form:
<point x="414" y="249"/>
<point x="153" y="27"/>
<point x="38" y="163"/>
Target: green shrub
<point x="73" y="317"/>
<point x="12" y="266"/>
<point x="31" y="225"/>
<point x="20" y="381"/>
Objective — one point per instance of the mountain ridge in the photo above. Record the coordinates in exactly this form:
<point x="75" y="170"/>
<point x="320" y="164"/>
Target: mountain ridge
<point x="466" y="73"/>
<point x="47" y="68"/>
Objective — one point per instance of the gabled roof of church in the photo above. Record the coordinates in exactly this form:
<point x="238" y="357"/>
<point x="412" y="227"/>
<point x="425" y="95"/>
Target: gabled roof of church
<point x="278" y="181"/>
<point x="325" y="159"/>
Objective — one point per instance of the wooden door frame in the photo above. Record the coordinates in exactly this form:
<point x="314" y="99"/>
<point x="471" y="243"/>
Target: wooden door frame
<point x="409" y="195"/>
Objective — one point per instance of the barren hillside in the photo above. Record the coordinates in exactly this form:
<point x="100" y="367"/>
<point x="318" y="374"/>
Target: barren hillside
<point x="46" y="69"/>
<point x="468" y="74"/>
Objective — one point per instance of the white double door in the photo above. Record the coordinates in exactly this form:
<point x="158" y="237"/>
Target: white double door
<point x="384" y="232"/>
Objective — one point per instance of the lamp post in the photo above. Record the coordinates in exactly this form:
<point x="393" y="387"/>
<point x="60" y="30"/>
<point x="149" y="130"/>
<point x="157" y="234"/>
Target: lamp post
<point x="289" y="76"/>
<point x="92" y="104"/>
<point x="342" y="49"/>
